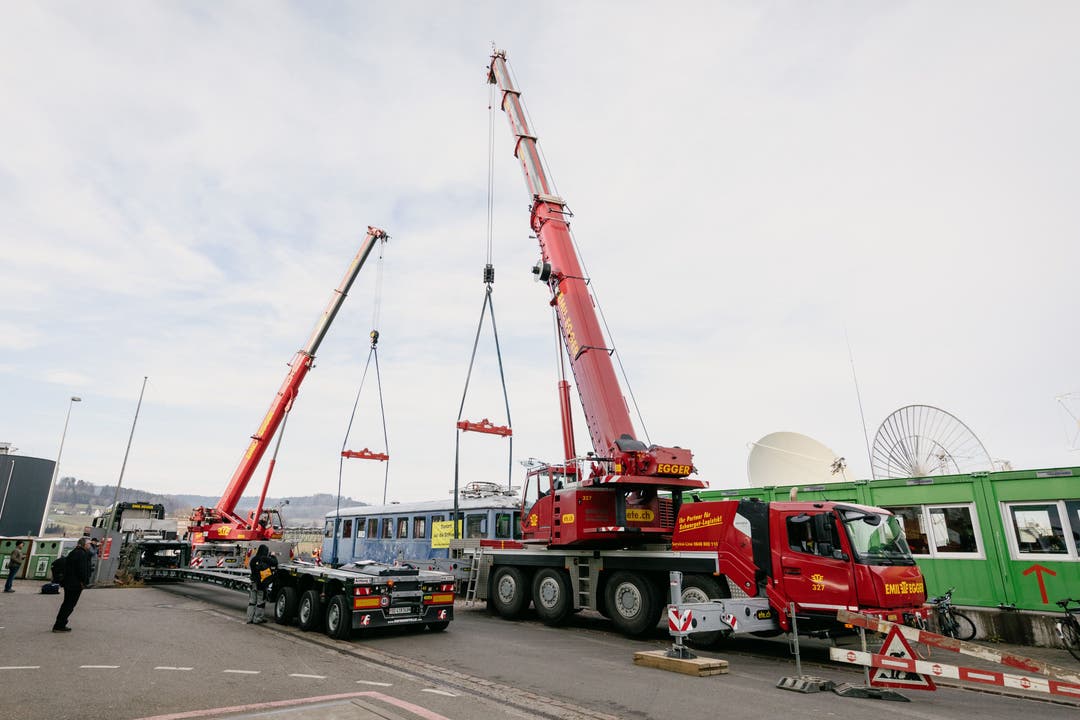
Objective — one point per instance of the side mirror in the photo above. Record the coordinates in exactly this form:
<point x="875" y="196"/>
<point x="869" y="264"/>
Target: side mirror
<point x="840" y="555"/>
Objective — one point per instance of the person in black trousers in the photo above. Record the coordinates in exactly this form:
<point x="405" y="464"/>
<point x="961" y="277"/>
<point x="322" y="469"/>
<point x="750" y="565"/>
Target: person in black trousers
<point x="76" y="577"/>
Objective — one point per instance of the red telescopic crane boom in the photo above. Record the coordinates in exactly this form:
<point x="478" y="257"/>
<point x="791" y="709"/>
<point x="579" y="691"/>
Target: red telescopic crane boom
<point x="221" y="522"/>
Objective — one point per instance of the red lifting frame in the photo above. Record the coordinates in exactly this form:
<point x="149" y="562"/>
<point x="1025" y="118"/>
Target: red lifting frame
<point x="485" y="426"/>
<point x="364" y="454"/>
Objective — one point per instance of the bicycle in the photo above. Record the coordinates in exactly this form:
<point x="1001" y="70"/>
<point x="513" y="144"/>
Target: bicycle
<point x="1068" y="629"/>
<point x="951" y="622"/>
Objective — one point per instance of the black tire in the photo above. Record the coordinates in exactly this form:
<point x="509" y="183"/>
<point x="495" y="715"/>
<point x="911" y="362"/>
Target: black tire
<point x="1070" y="636"/>
<point x="285" y="605"/>
<point x="338" y="623"/>
<point x="438" y="626"/>
<point x="309" y="614"/>
<point x="699" y="589"/>
<point x="551" y="596"/>
<point x="965" y="628"/>
<point x="509" y="591"/>
<point x="631" y="600"/>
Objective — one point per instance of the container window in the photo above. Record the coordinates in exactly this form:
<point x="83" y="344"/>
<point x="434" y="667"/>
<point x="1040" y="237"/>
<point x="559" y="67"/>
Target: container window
<point x="953" y="530"/>
<point x="1038" y="529"/>
<point x="914" y="523"/>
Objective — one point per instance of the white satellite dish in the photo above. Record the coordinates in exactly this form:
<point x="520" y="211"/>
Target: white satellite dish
<point x="788" y="458"/>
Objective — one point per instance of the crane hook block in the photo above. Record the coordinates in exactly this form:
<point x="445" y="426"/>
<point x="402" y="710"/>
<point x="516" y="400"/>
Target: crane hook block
<point x="489" y="274"/>
<point x="364" y="454"/>
<point x="374" y="338"/>
<point x="484" y="426"/>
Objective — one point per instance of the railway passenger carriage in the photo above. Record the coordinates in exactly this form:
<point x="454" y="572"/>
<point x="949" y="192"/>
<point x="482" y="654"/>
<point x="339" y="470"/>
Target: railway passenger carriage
<point x="420" y="530"/>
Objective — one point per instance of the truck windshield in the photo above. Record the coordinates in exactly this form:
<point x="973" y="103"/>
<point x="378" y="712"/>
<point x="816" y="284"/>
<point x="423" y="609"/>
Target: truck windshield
<point x="876" y="539"/>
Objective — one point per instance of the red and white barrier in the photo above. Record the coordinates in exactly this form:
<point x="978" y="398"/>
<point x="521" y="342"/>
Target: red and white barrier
<point x="974" y="675"/>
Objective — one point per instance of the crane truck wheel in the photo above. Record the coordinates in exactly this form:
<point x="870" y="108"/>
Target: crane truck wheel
<point x="285" y="605"/>
<point x="702" y="589"/>
<point x="509" y="591"/>
<point x="338" y="617"/>
<point x="310" y="613"/>
<point x="551" y="596"/>
<point x="632" y="601"/>
<point x="438" y="626"/>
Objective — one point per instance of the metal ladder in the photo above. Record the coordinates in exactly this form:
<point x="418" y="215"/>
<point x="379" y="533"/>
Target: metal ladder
<point x="474" y="575"/>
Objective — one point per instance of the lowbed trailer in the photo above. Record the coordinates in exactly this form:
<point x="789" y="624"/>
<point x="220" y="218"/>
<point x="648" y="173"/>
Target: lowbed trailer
<point x="337" y="600"/>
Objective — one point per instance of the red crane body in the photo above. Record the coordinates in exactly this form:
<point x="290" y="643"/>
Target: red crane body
<point x="222" y="521"/>
<point x="623" y="464"/>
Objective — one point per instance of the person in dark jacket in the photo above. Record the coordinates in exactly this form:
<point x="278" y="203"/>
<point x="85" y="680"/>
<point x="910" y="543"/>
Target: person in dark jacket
<point x="15" y="561"/>
<point x="262" y="571"/>
<point x="76" y="577"/>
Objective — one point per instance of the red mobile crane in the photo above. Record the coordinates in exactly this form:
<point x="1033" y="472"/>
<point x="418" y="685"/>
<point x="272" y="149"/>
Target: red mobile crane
<point x="221" y="522"/>
<point x="597" y="534"/>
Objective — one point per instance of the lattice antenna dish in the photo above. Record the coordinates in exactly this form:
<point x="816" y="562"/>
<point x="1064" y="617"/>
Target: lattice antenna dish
<point x="1070" y="406"/>
<point x="922" y="440"/>
<point x="789" y="458"/>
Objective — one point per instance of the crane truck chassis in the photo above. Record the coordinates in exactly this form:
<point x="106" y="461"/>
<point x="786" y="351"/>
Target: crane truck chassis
<point x="751" y="560"/>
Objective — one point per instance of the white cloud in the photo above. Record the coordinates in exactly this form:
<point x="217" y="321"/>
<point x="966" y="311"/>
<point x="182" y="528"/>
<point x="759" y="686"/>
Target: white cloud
<point x="183" y="186"/>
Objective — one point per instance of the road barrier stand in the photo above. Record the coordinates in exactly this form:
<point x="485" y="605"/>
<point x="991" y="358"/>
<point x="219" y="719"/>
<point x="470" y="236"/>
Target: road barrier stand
<point x="896" y="665"/>
<point x="799" y="682"/>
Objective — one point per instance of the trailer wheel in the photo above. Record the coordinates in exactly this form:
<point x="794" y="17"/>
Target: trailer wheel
<point x="702" y="589"/>
<point x="338" y="617"/>
<point x="631" y="600"/>
<point x="285" y="605"/>
<point x="310" y="612"/>
<point x="509" y="591"/>
<point x="551" y="596"/>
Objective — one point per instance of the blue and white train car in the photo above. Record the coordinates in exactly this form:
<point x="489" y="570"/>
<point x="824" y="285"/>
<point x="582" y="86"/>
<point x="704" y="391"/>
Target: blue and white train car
<point x="420" y="530"/>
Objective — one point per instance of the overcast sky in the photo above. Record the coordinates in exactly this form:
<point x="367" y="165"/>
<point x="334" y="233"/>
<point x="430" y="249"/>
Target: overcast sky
<point x="754" y="185"/>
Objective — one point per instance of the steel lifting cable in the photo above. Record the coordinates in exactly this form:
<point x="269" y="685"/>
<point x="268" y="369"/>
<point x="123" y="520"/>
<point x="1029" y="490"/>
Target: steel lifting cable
<point x="365" y="454"/>
<point x="488" y="306"/>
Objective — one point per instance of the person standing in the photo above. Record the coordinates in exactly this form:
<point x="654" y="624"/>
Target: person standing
<point x="76" y="577"/>
<point x="15" y="561"/>
<point x="262" y="571"/>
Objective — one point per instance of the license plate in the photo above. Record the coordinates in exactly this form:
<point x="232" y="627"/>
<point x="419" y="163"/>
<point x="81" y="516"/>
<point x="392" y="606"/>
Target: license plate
<point x="407" y="610"/>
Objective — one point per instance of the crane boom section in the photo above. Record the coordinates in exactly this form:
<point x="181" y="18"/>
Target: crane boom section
<point x="606" y="413"/>
<point x="286" y="394"/>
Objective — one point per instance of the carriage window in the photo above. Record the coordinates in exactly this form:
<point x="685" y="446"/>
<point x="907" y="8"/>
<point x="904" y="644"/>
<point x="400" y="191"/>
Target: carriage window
<point x="360" y="531"/>
<point x="388" y="528"/>
<point x="476" y="526"/>
<point x="1038" y="529"/>
<point x="403" y="527"/>
<point x="346" y="528"/>
<point x="438" y="518"/>
<point x="914" y="524"/>
<point x="373" y="527"/>
<point x="329" y="531"/>
<point x="419" y="528"/>
<point x="503" y="525"/>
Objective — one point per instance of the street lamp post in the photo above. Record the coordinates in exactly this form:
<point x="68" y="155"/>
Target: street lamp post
<point x="56" y="468"/>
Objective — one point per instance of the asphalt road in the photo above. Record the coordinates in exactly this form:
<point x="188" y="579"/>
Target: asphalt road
<point x="184" y="649"/>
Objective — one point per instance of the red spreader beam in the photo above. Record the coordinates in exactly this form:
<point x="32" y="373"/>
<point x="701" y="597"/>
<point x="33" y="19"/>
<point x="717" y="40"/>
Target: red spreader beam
<point x="364" y="454"/>
<point x="484" y="426"/>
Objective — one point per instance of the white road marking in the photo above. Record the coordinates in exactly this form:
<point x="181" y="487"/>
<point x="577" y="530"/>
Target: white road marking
<point x="372" y="682"/>
<point x="21" y="667"/>
<point x="170" y="667"/>
<point x="243" y="672"/>
<point x="313" y="677"/>
<point x="99" y="667"/>
<point x="433" y="691"/>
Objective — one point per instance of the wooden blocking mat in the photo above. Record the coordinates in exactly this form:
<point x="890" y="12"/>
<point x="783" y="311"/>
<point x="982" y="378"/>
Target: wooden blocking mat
<point x="694" y="666"/>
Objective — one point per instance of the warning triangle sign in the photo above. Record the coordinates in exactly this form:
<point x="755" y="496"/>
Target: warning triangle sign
<point x="903" y="675"/>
